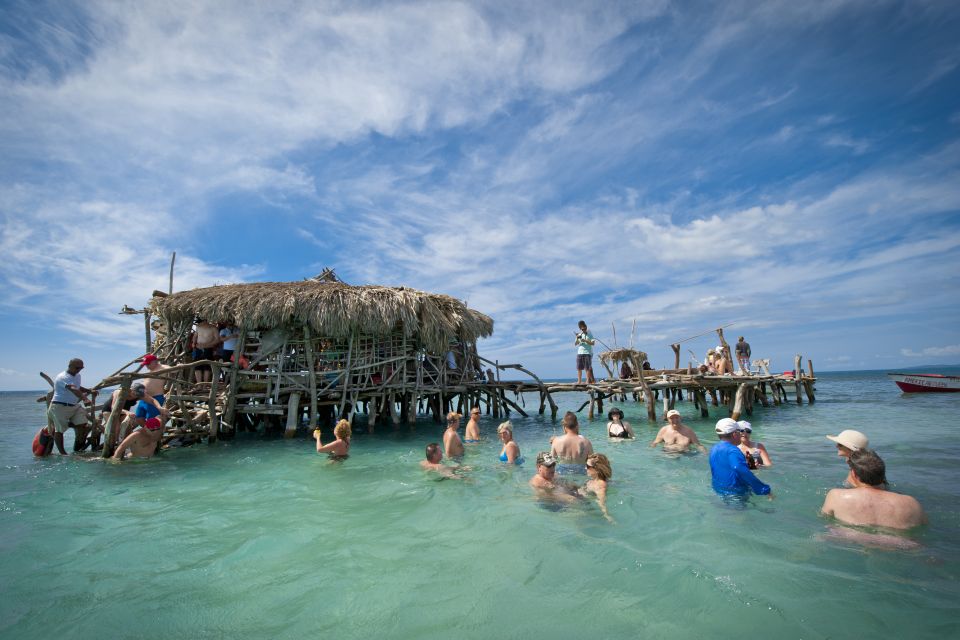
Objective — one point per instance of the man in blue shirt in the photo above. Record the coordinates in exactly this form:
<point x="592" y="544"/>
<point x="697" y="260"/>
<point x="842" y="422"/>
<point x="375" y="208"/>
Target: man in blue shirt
<point x="728" y="466"/>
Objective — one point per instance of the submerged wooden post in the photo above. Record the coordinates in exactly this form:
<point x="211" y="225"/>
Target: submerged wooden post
<point x="293" y="415"/>
<point x="797" y="378"/>
<point x="212" y="403"/>
<point x="702" y="396"/>
<point x="108" y="444"/>
<point x="740" y="401"/>
<point x="308" y="344"/>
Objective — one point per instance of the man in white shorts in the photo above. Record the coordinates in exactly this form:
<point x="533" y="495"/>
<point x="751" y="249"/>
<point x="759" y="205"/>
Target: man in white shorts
<point x="66" y="408"/>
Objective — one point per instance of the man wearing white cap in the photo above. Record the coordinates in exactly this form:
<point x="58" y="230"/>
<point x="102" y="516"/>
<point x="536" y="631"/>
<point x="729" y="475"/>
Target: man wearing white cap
<point x="677" y="436"/>
<point x="728" y="467"/>
<point x="849" y="441"/>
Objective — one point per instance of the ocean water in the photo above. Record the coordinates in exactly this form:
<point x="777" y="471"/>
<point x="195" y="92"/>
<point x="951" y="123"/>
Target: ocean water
<point x="258" y="538"/>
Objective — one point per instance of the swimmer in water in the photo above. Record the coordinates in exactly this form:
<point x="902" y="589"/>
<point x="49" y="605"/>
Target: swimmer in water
<point x="545" y="484"/>
<point x="676" y="436"/>
<point x="869" y="503"/>
<point x="433" y="461"/>
<point x="617" y="428"/>
<point x="511" y="450"/>
<point x="571" y="449"/>
<point x="599" y="472"/>
<point x="472" y="434"/>
<point x="755" y="453"/>
<point x="452" y="444"/>
<point x="339" y="449"/>
<point x="142" y="443"/>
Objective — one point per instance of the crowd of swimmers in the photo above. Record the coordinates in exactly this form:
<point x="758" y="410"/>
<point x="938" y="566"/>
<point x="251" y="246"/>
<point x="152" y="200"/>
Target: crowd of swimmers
<point x="733" y="460"/>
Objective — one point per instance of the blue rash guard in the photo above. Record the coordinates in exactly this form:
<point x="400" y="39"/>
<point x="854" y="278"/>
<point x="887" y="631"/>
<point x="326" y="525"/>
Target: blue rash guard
<point x="731" y="474"/>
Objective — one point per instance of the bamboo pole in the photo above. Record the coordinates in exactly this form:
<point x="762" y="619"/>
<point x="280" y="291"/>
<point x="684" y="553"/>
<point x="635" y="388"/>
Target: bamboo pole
<point x="173" y="258"/>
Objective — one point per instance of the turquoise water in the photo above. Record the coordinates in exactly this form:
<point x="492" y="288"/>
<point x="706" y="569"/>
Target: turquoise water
<point x="262" y="538"/>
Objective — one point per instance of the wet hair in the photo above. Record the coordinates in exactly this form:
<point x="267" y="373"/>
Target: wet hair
<point x="570" y="420"/>
<point x="601" y="463"/>
<point x="432" y="450"/>
<point x="614" y="412"/>
<point x="506" y="426"/>
<point x="342" y="430"/>
<point x="452" y="417"/>
<point x="868" y="467"/>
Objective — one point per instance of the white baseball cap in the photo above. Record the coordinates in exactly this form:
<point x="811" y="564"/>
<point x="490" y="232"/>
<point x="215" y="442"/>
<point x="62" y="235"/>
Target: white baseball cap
<point x="726" y="426"/>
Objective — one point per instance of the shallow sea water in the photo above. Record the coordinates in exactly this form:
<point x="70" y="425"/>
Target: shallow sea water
<point x="259" y="538"/>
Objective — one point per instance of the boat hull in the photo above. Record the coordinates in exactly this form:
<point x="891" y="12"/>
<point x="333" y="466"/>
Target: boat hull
<point x="926" y="382"/>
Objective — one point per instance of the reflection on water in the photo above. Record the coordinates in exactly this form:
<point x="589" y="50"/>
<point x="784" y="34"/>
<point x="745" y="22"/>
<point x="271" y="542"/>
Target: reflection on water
<point x="264" y="538"/>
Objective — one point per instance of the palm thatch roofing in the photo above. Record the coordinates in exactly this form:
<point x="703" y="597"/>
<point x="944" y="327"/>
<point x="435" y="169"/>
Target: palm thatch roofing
<point x="332" y="309"/>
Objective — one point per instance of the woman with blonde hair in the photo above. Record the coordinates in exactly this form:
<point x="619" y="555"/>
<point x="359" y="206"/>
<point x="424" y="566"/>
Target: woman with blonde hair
<point x="511" y="450"/>
<point x="339" y="448"/>
<point x="599" y="472"/>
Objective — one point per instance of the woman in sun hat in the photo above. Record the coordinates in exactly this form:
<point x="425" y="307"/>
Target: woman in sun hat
<point x="849" y="441"/>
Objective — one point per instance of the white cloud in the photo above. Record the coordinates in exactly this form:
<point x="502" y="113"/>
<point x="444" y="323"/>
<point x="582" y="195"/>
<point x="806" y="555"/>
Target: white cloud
<point x="949" y="350"/>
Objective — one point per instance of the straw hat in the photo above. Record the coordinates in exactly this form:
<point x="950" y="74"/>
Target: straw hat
<point x="853" y="440"/>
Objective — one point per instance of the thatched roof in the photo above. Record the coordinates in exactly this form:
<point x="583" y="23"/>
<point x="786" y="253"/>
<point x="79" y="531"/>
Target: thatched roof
<point x="330" y="309"/>
<point x="623" y="355"/>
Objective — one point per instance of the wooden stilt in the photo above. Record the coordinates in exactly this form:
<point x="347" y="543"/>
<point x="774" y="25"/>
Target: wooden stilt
<point x="797" y="375"/>
<point x="212" y="403"/>
<point x="109" y="446"/>
<point x="293" y="414"/>
<point x="312" y="378"/>
<point x="741" y="399"/>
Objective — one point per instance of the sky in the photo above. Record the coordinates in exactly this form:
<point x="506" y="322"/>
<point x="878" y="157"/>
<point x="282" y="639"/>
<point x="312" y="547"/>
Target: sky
<point x="790" y="169"/>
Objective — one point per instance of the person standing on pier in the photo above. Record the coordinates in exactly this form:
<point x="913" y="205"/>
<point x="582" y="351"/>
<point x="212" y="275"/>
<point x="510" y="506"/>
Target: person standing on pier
<point x="206" y="338"/>
<point x="66" y="408"/>
<point x="728" y="467"/>
<point x="584" y="341"/>
<point x="452" y="444"/>
<point x="743" y="354"/>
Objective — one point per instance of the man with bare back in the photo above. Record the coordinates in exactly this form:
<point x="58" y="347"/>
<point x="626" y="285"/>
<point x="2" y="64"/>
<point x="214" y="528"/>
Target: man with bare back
<point x="676" y="436"/>
<point x="869" y="502"/>
<point x="142" y="443"/>
<point x="571" y="449"/>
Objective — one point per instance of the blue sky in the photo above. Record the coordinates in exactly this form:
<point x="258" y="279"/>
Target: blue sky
<point x="789" y="167"/>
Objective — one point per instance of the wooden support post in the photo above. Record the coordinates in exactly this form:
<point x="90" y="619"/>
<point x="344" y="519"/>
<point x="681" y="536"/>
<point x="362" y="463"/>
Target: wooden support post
<point x="599" y="403"/>
<point x="346" y="379"/>
<point x="231" y="408"/>
<point x="311" y="365"/>
<point x="109" y="446"/>
<point x="372" y="413"/>
<point x="702" y="395"/>
<point x="293" y="414"/>
<point x="543" y="401"/>
<point x="666" y="403"/>
<point x="797" y="378"/>
<point x="394" y="416"/>
<point x="146" y="327"/>
<point x="676" y="356"/>
<point x="741" y="399"/>
<point x="212" y="403"/>
<point x="808" y="387"/>
<point x="762" y="395"/>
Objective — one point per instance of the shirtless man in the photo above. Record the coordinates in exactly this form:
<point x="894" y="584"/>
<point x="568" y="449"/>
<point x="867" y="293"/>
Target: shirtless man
<point x="869" y="502"/>
<point x="126" y="419"/>
<point x="571" y="448"/>
<point x="142" y="443"/>
<point x="676" y="436"/>
<point x="206" y="337"/>
<point x="154" y="388"/>
<point x="544" y="481"/>
<point x="473" y="426"/>
<point x="452" y="444"/>
<point x="433" y="459"/>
